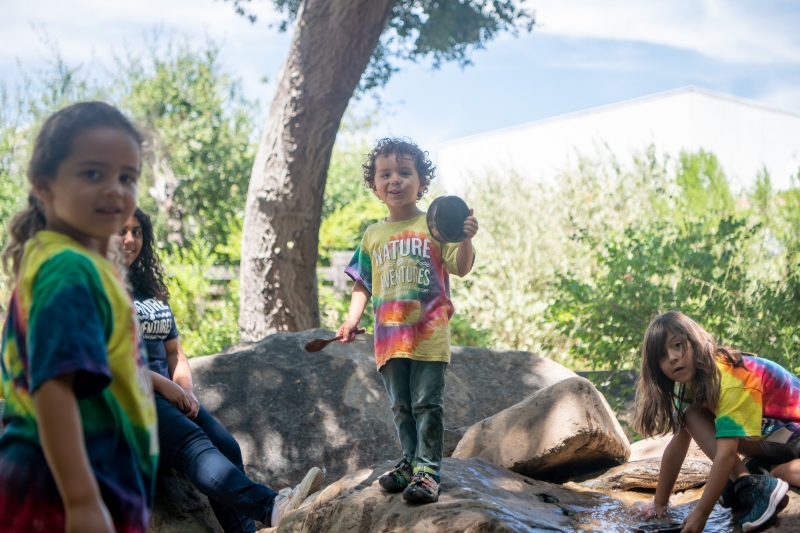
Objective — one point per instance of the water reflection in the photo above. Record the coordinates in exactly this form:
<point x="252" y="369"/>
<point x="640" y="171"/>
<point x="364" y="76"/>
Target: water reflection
<point x="612" y="515"/>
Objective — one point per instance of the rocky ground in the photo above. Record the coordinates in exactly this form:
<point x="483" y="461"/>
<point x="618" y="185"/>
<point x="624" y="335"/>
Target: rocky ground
<point x="534" y="447"/>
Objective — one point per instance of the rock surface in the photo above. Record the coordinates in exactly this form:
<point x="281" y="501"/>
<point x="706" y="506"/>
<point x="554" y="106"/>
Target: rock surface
<point x="180" y="508"/>
<point x="644" y="475"/>
<point x="556" y="433"/>
<point x="654" y="447"/>
<point x="475" y="496"/>
<point x="291" y="410"/>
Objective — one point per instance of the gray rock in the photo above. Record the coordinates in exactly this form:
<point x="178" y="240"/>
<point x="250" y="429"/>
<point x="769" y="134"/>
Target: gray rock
<point x="179" y="507"/>
<point x="654" y="448"/>
<point x="475" y="496"/>
<point x="291" y="410"/>
<point x="556" y="433"/>
<point x="644" y="475"/>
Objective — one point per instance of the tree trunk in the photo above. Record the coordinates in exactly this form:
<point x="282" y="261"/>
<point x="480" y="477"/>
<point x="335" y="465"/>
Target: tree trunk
<point x="332" y="45"/>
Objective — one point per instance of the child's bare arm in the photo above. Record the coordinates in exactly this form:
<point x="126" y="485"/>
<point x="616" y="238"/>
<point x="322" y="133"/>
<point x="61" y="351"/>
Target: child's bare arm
<point x="671" y="462"/>
<point x="721" y="470"/>
<point x="61" y="435"/>
<point x="358" y="302"/>
<point x="465" y="255"/>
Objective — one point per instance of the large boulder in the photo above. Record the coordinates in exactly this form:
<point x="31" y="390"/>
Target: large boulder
<point x="291" y="410"/>
<point x="556" y="433"/>
<point x="475" y="496"/>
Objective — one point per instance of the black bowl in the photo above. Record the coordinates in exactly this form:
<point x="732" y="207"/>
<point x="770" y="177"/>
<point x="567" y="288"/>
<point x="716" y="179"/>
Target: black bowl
<point x="446" y="217"/>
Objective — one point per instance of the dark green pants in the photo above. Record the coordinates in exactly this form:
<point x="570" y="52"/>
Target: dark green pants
<point x="416" y="392"/>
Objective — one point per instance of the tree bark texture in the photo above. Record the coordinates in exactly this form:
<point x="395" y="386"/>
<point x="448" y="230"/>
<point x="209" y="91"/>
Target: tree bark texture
<point x="332" y="45"/>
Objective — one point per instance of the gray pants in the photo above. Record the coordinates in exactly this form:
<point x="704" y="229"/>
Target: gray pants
<point x="416" y="391"/>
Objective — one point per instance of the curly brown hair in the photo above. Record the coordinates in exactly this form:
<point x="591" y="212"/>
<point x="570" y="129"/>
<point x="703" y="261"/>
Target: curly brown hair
<point x="406" y="149"/>
<point x="146" y="273"/>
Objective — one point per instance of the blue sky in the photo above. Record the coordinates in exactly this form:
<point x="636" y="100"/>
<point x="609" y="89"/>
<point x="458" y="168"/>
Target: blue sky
<point x="583" y="54"/>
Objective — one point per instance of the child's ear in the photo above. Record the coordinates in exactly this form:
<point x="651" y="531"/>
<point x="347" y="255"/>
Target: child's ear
<point x="41" y="189"/>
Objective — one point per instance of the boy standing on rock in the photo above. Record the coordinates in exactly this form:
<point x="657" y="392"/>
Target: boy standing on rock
<point x="407" y="272"/>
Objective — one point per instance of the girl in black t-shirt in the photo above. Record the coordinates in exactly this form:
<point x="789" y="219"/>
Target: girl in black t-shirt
<point x="191" y="440"/>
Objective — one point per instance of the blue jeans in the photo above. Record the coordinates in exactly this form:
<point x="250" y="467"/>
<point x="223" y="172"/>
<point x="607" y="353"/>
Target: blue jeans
<point x="416" y="392"/>
<point x="210" y="457"/>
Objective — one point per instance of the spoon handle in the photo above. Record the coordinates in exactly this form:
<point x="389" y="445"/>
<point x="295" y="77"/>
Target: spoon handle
<point x="339" y="337"/>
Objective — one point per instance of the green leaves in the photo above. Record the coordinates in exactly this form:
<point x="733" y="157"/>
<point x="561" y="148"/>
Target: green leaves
<point x="202" y="136"/>
<point x="733" y="270"/>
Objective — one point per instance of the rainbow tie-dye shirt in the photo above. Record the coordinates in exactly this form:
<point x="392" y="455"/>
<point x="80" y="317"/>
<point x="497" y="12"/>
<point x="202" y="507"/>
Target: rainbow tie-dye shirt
<point x="69" y="313"/>
<point x="755" y="398"/>
<point x="407" y="272"/>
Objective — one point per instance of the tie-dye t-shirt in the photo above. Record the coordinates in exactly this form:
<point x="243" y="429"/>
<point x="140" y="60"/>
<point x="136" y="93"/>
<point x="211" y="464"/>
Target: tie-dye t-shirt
<point x="755" y="398"/>
<point x="407" y="272"/>
<point x="69" y="313"/>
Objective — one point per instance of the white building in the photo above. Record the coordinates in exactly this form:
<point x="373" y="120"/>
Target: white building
<point x="745" y="135"/>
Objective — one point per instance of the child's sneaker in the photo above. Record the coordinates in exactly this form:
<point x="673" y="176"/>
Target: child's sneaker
<point x="728" y="499"/>
<point x="424" y="488"/>
<point x="759" y="497"/>
<point x="399" y="478"/>
<point x="290" y="499"/>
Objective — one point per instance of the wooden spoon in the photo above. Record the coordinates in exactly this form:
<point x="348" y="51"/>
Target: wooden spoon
<point x="315" y="345"/>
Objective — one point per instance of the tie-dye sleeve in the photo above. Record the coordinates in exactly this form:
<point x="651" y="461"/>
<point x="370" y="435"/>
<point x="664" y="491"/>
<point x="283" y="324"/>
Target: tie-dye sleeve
<point x="738" y="412"/>
<point x="66" y="330"/>
<point x="360" y="267"/>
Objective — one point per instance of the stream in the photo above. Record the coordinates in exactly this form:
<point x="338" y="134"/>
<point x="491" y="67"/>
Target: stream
<point x="613" y="515"/>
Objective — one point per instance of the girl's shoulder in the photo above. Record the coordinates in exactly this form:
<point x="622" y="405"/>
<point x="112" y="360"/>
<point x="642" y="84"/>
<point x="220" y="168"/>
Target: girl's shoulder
<point x="48" y="259"/>
<point x="53" y="263"/>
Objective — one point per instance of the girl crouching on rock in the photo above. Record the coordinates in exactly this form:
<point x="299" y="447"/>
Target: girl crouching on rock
<point x="729" y="402"/>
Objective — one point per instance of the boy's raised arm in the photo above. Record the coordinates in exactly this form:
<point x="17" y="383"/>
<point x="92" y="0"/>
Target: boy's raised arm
<point x="358" y="302"/>
<point x="465" y="256"/>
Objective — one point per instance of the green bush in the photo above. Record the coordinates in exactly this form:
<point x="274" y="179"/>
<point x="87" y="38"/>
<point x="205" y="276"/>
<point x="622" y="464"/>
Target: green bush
<point x="206" y="312"/>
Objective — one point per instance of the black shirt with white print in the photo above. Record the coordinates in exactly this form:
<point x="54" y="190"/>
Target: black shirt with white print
<point x="157" y="325"/>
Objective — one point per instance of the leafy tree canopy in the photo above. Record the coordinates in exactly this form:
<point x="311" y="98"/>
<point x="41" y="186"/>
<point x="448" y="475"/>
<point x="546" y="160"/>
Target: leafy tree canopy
<point x="443" y="30"/>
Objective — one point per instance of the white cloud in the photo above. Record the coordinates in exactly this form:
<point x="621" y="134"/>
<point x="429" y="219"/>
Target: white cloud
<point x="730" y="30"/>
<point x="87" y="29"/>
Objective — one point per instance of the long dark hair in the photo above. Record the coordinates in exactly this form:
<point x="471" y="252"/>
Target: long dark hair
<point x="52" y="146"/>
<point x="146" y="274"/>
<point x="656" y="398"/>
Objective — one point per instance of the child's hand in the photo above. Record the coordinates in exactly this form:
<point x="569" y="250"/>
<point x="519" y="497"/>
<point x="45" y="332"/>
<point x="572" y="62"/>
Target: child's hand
<point x="646" y="511"/>
<point x="91" y="517"/>
<point x="471" y="225"/>
<point x="694" y="523"/>
<point x="347" y="332"/>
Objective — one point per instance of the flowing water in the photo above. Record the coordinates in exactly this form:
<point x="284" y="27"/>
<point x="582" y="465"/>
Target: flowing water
<point x="613" y="515"/>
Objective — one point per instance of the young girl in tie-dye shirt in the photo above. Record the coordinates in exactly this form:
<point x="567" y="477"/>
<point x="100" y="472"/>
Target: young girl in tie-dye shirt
<point x="406" y="273"/>
<point x="729" y="402"/>
<point x="80" y="447"/>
